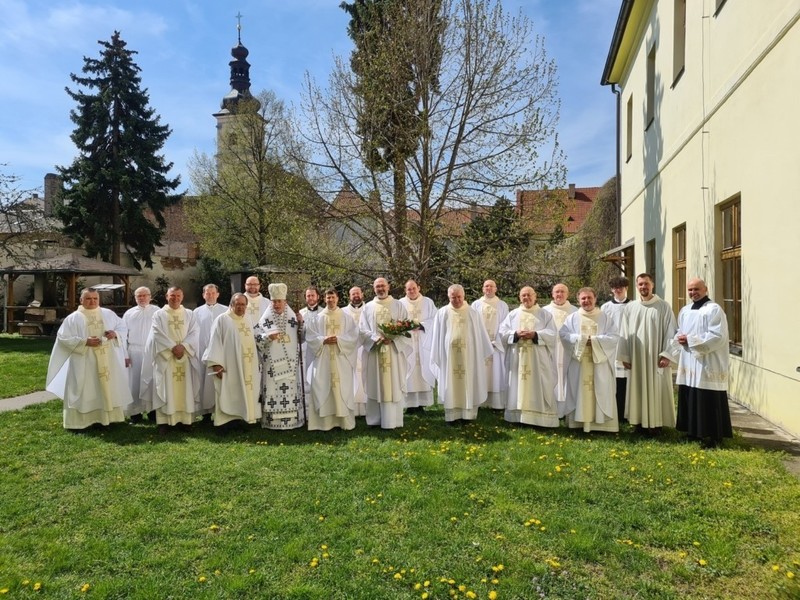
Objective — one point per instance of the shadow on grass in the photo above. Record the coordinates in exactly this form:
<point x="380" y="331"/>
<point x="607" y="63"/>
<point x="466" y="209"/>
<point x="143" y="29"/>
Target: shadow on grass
<point x="490" y="427"/>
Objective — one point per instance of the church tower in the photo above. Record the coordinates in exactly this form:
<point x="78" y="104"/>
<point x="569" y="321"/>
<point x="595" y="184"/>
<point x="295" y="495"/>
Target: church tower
<point x="240" y="88"/>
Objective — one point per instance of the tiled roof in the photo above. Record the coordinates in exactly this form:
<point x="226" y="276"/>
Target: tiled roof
<point x="575" y="209"/>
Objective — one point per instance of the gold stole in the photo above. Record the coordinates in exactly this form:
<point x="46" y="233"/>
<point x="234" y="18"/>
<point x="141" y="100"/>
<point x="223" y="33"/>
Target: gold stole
<point x="96" y="328"/>
<point x="333" y="326"/>
<point x="383" y="314"/>
<point x="588" y="329"/>
<point x="527" y="322"/>
<point x="176" y="329"/>
<point x="415" y="314"/>
<point x="457" y="361"/>
<point x="248" y="344"/>
<point x="253" y="307"/>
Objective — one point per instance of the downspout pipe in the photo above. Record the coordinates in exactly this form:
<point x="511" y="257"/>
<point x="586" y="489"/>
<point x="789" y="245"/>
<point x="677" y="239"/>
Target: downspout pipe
<point x="618" y="180"/>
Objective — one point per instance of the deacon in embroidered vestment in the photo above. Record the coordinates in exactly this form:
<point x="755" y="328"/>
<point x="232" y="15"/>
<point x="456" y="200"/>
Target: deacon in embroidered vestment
<point x="420" y="382"/>
<point x="257" y="303"/>
<point x="139" y="321"/>
<point x="206" y="315"/>
<point x="277" y="335"/>
<point x="702" y="379"/>
<point x="173" y="345"/>
<point x="385" y="359"/>
<point x="232" y="358"/>
<point x="615" y="308"/>
<point x="354" y="309"/>
<point x="87" y="366"/>
<point x="459" y="351"/>
<point x="493" y="311"/>
<point x="590" y="345"/>
<point x="529" y="334"/>
<point x="647" y="350"/>
<point x="332" y="348"/>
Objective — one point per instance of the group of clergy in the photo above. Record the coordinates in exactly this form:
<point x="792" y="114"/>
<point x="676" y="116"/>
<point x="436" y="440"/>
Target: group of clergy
<point x="259" y="361"/>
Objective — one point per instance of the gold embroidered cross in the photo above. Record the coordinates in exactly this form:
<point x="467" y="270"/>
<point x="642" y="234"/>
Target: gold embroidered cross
<point x="94" y="322"/>
<point x="524" y="373"/>
<point x="176" y="325"/>
<point x="243" y="328"/>
<point x="178" y="374"/>
<point x="459" y="372"/>
<point x="385" y="361"/>
<point x="247" y="354"/>
<point x="104" y="374"/>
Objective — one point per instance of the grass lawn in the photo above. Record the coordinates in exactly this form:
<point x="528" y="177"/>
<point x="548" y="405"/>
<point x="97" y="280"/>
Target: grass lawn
<point x="480" y="510"/>
<point x="23" y="364"/>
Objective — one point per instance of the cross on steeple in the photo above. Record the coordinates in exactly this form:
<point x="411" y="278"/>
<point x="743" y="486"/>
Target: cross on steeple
<point x="239" y="25"/>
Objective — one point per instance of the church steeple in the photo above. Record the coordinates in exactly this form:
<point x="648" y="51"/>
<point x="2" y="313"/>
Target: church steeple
<point x="240" y="73"/>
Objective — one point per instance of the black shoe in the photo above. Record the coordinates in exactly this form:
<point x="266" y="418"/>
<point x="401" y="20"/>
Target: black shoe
<point x="207" y="418"/>
<point x="136" y="419"/>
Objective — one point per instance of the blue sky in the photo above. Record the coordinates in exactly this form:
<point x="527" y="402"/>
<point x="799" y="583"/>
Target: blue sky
<point x="184" y="47"/>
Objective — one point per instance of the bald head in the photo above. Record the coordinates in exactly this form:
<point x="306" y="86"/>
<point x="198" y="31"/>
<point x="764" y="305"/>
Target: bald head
<point x="696" y="289"/>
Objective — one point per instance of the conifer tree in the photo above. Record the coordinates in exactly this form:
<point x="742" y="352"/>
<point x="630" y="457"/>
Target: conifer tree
<point x="117" y="188"/>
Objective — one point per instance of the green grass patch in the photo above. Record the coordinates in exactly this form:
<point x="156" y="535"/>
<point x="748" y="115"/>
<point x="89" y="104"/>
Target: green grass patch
<point x="23" y="363"/>
<point x="454" y="512"/>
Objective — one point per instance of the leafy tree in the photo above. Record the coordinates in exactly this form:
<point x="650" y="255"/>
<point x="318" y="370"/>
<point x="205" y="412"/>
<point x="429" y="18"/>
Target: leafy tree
<point x="23" y="224"/>
<point x="493" y="246"/>
<point x="115" y="191"/>
<point x="465" y="113"/>
<point x="253" y="203"/>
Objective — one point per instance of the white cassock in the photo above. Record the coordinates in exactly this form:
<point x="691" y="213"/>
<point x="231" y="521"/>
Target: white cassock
<point x="206" y="315"/>
<point x="331" y="372"/>
<point x="385" y="365"/>
<point x="494" y="311"/>
<point x="615" y="310"/>
<point x="256" y="306"/>
<point x="175" y="381"/>
<point x="459" y="351"/>
<point x="531" y="370"/>
<point x="139" y="321"/>
<point x="281" y="385"/>
<point x="232" y="346"/>
<point x="591" y="382"/>
<point x="420" y="381"/>
<point x="308" y="315"/>
<point x="92" y="381"/>
<point x="560" y="314"/>
<point x="359" y="393"/>
<point x="646" y="334"/>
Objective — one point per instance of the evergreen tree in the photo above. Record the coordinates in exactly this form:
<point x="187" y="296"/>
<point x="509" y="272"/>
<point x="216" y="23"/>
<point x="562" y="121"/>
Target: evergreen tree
<point x="115" y="191"/>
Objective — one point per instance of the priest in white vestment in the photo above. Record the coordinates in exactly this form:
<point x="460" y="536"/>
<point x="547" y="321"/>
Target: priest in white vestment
<point x="139" y="321"/>
<point x="332" y="349"/>
<point x="206" y="315"/>
<point x="560" y="308"/>
<point x="306" y="315"/>
<point x="87" y="366"/>
<point x="590" y="346"/>
<point x="420" y="382"/>
<point x="385" y="359"/>
<point x="615" y="309"/>
<point x="354" y="309"/>
<point x="702" y="340"/>
<point x="173" y="346"/>
<point x="646" y="349"/>
<point x="493" y="311"/>
<point x="278" y="340"/>
<point x="232" y="361"/>
<point x="529" y="334"/>
<point x="257" y="303"/>
<point x="459" y="351"/>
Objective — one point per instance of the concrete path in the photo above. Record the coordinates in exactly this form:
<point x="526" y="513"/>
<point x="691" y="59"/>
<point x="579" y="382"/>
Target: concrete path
<point x="754" y="429"/>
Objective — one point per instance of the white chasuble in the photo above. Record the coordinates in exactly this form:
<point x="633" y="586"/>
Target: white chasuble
<point x="359" y="393"/>
<point x="92" y="380"/>
<point x="175" y="385"/>
<point x="420" y="382"/>
<point x="232" y="346"/>
<point x="590" y="343"/>
<point x="459" y="351"/>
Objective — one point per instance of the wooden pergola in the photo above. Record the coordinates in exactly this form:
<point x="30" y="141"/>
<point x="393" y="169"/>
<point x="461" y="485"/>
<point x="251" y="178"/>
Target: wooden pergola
<point x="70" y="267"/>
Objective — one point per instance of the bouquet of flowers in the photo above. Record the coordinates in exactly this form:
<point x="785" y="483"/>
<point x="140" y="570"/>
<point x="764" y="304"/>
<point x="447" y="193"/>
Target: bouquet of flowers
<point x="398" y="328"/>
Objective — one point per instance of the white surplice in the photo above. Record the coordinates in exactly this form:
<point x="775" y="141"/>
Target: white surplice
<point x="359" y="393"/>
<point x="206" y="315"/>
<point x="139" y="321"/>
<point x="560" y="314"/>
<point x="493" y="312"/>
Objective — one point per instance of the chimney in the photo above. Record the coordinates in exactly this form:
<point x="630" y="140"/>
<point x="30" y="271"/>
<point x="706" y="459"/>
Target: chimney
<point x="52" y="187"/>
<point x="572" y="191"/>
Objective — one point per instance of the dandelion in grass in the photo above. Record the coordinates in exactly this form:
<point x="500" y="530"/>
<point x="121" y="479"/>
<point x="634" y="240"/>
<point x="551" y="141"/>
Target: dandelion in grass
<point x="492" y="595"/>
<point x="495" y="581"/>
<point x="776" y="568"/>
<point x="471" y="594"/>
<point x="424" y="596"/>
<point x="202" y="579"/>
<point x="321" y="518"/>
<point x="702" y="562"/>
<point x="217" y="572"/>
<point x="696" y="544"/>
<point x="251" y="571"/>
<point x="37" y="586"/>
<point x="790" y="574"/>
<point x="85" y="588"/>
<point x="214" y="527"/>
